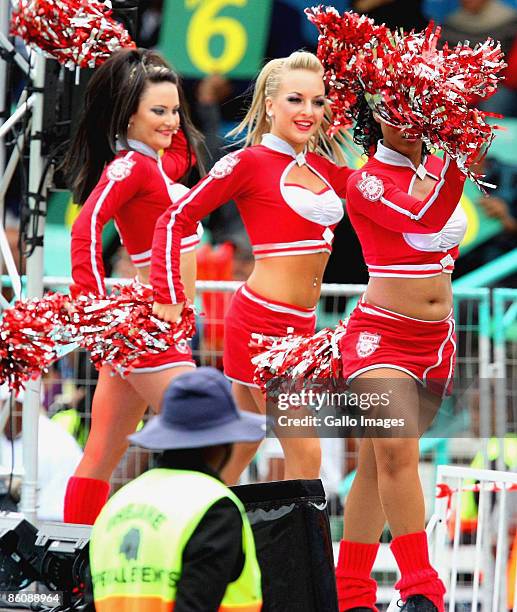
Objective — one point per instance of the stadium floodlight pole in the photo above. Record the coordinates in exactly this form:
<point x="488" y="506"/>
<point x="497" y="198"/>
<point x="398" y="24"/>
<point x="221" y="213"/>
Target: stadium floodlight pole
<point x="31" y="404"/>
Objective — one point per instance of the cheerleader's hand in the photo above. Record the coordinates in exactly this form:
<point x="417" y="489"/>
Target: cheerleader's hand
<point x="168" y="312"/>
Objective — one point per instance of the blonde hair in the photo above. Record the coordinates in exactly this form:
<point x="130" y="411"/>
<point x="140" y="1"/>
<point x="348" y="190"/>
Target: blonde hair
<point x="256" y="123"/>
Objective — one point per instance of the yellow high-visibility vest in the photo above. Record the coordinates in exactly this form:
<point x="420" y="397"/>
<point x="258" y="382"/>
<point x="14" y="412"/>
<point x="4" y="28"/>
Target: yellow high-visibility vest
<point x="137" y="543"/>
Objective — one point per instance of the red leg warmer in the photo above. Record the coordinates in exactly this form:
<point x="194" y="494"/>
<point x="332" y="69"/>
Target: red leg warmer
<point x="418" y="577"/>
<point x="84" y="499"/>
<point x="355" y="588"/>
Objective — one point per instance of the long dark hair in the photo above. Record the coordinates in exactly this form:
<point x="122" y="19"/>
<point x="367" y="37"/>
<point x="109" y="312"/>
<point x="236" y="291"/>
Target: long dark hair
<point x="367" y="131"/>
<point x="112" y="96"/>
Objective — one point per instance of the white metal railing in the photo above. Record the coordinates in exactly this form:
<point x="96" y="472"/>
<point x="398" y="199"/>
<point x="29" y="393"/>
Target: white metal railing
<point x="487" y="559"/>
<point x="330" y="289"/>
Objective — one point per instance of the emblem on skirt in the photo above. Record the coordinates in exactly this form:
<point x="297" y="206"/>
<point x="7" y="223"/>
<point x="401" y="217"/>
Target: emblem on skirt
<point x="224" y="166"/>
<point x="371" y="187"/>
<point x="367" y="344"/>
<point x="119" y="169"/>
<point x="182" y="346"/>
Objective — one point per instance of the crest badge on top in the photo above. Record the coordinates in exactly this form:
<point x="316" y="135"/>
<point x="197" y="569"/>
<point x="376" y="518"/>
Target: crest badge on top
<point x="224" y="166"/>
<point x="371" y="187"/>
<point x="119" y="169"/>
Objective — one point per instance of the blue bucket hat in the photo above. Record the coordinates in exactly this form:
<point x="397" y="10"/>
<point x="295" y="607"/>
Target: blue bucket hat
<point x="198" y="410"/>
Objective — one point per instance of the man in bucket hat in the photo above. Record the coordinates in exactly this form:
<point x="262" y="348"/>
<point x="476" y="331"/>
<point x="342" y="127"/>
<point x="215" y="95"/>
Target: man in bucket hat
<point x="176" y="538"/>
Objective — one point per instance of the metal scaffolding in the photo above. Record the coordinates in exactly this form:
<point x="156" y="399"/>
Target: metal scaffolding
<point x="31" y="101"/>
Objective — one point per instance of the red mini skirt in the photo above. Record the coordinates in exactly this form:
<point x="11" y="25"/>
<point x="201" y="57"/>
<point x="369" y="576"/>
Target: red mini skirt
<point x="177" y="355"/>
<point x="379" y="338"/>
<point x="251" y="313"/>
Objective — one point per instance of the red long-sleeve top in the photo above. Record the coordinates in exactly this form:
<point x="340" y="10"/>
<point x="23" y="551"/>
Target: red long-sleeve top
<point x="134" y="189"/>
<point x="280" y="219"/>
<point x="400" y="235"/>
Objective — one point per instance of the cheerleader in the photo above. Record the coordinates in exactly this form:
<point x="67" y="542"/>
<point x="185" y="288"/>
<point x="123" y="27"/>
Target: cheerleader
<point x="134" y="141"/>
<point x="288" y="189"/>
<point x="399" y="346"/>
<point x="404" y="205"/>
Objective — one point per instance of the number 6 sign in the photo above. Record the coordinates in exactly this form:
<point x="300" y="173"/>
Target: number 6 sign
<point x="228" y="37"/>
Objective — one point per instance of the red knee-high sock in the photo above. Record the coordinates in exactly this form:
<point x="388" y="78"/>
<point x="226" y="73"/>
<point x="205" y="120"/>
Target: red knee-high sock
<point x="355" y="588"/>
<point x="418" y="577"/>
<point x="84" y="499"/>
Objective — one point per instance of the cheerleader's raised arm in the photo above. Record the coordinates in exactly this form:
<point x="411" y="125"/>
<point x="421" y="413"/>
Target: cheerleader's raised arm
<point x="378" y="197"/>
<point x="178" y="158"/>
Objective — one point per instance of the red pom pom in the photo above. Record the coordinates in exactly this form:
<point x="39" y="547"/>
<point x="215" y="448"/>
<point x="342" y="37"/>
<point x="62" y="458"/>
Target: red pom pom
<point x="74" y="32"/>
<point x="117" y="329"/>
<point x="344" y="48"/>
<point x="30" y="334"/>
<point x="409" y="82"/>
<point x="120" y="328"/>
<point x="296" y="356"/>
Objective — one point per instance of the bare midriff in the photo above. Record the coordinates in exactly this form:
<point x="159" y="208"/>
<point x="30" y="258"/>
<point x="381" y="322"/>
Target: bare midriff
<point x="292" y="279"/>
<point x="429" y="299"/>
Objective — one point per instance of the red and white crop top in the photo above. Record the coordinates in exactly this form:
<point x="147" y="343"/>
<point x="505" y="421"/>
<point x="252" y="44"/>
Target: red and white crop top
<point x="134" y="189"/>
<point x="280" y="219"/>
<point x="400" y="235"/>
